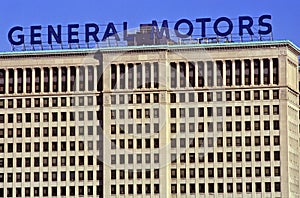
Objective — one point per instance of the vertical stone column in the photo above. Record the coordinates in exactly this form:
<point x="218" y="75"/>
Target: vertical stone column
<point x="143" y="75"/>
<point x="24" y="81"/>
<point x="33" y="80"/>
<point x="205" y="74"/>
<point x="252" y="71"/>
<point x="126" y="77"/>
<point x="42" y="80"/>
<point x="117" y="85"/>
<point x="187" y="74"/>
<point x="177" y="75"/>
<point x="233" y="72"/>
<point x="95" y="77"/>
<point x="243" y="72"/>
<point x="224" y="72"/>
<point x="59" y="79"/>
<point x="77" y="78"/>
<point x="6" y="81"/>
<point x="50" y="79"/>
<point x="15" y="79"/>
<point x="271" y="71"/>
<point x="215" y="73"/>
<point x="68" y="79"/>
<point x="134" y="76"/>
<point x="86" y="78"/>
<point x="261" y="71"/>
<point x="196" y="74"/>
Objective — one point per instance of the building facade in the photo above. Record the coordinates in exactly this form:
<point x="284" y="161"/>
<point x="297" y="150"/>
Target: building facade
<point x="209" y="120"/>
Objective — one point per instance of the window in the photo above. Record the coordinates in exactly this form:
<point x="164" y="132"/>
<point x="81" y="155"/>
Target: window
<point x="210" y="157"/>
<point x="228" y="96"/>
<point x="113" y="189"/>
<point x="256" y="95"/>
<point x="209" y="111"/>
<point x="229" y="156"/>
<point x="238" y="126"/>
<point x="220" y="142"/>
<point x="210" y="142"/>
<point x="248" y="156"/>
<point x="276" y="125"/>
<point x="2" y="104"/>
<point x="267" y="125"/>
<point x="219" y="96"/>
<point x="257" y="172"/>
<point x="247" y="95"/>
<point x="275" y="94"/>
<point x="10" y="103"/>
<point x="229" y="187"/>
<point x="200" y="142"/>
<point x="2" y="81"/>
<point x="257" y="156"/>
<point x="248" y="187"/>
<point x="276" y="155"/>
<point x="211" y="188"/>
<point x="138" y="98"/>
<point x="182" y="158"/>
<point x="229" y="172"/>
<point x="191" y="97"/>
<point x="266" y="110"/>
<point x="247" y="125"/>
<point x="200" y="97"/>
<point x="256" y="110"/>
<point x="219" y="126"/>
<point x="201" y="188"/>
<point x="237" y="95"/>
<point x="238" y="111"/>
<point x="268" y="186"/>
<point x="266" y="95"/>
<point x="173" y="113"/>
<point x="228" y="111"/>
<point x="257" y="140"/>
<point x="239" y="187"/>
<point x="228" y="126"/>
<point x="191" y="112"/>
<point x="220" y="172"/>
<point x="10" y="118"/>
<point x="1" y="118"/>
<point x="182" y="142"/>
<point x="267" y="171"/>
<point x="219" y="111"/>
<point x="257" y="187"/>
<point x="228" y="141"/>
<point x="276" y="140"/>
<point x="247" y="110"/>
<point x="277" y="187"/>
<point x="210" y="97"/>
<point x="173" y="98"/>
<point x="238" y="156"/>
<point x="276" y="171"/>
<point x="238" y="172"/>
<point x="182" y="112"/>
<point x="276" y="109"/>
<point x="182" y="173"/>
<point x="267" y="140"/>
<point x="156" y="113"/>
<point x="256" y="125"/>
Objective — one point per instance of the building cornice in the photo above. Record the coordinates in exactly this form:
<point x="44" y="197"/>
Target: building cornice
<point x="154" y="48"/>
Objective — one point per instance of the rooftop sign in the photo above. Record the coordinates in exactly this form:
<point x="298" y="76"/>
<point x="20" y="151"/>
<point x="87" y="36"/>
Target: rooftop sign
<point x="92" y="33"/>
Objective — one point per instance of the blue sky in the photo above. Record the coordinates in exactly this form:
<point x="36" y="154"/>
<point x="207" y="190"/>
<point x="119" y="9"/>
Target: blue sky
<point x="285" y="14"/>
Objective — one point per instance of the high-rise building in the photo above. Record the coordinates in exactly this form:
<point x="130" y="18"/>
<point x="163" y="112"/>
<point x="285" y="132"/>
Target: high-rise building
<point x="200" y="120"/>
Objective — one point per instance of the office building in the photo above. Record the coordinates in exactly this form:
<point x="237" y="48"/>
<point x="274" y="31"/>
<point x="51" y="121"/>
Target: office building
<point x="198" y="120"/>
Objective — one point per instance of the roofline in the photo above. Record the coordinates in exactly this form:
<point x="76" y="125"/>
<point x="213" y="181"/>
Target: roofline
<point x="155" y="47"/>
